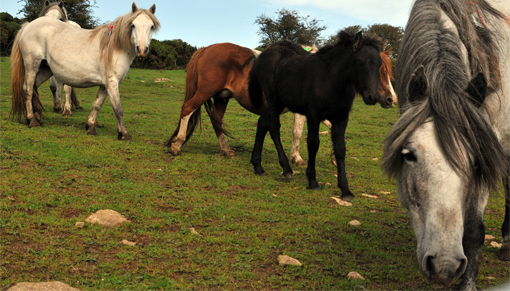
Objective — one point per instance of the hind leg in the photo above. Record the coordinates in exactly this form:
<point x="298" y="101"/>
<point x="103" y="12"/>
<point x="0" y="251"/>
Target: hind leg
<point x="67" y="107"/>
<point x="297" y="132"/>
<point x="220" y="106"/>
<point x="185" y="128"/>
<point x="504" y="252"/>
<point x="56" y="90"/>
<point x="34" y="79"/>
<point x="256" y="154"/>
<point x="274" y="131"/>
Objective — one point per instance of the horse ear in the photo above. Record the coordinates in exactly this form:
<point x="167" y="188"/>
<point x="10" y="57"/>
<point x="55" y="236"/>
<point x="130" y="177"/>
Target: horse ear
<point x="388" y="51"/>
<point x="61" y="4"/>
<point x="358" y="40"/>
<point x="134" y="8"/>
<point x="418" y="86"/>
<point x="477" y="89"/>
<point x="47" y="2"/>
<point x="153" y="9"/>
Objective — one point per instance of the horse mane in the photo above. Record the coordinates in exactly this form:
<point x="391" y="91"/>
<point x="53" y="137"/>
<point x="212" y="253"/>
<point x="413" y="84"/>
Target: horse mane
<point x="52" y="5"/>
<point x="120" y="37"/>
<point x="346" y="39"/>
<point x="386" y="66"/>
<point x="460" y="127"/>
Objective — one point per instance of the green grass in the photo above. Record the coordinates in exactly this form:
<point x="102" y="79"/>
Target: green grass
<point x="56" y="175"/>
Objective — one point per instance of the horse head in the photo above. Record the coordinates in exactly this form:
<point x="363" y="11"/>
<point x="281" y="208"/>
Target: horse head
<point x="54" y="10"/>
<point x="142" y="27"/>
<point x="388" y="98"/>
<point x="364" y="68"/>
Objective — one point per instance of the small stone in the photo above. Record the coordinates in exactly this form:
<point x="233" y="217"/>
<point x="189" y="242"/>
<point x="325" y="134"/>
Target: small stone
<point x="79" y="224"/>
<point x="496" y="244"/>
<point x="338" y="201"/>
<point x="107" y="218"/>
<point x="369" y="196"/>
<point x="375" y="159"/>
<point x="355" y="276"/>
<point x="491" y="278"/>
<point x="194" y="231"/>
<point x="354" y="223"/>
<point x="489" y="237"/>
<point x="324" y="132"/>
<point x="385" y="192"/>
<point x="286" y="260"/>
<point x="274" y="195"/>
<point x="43" y="286"/>
<point x="356" y="159"/>
<point x="128" y="243"/>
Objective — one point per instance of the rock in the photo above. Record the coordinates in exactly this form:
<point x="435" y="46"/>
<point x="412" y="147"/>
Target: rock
<point x="324" y="132"/>
<point x="369" y="196"/>
<point x="274" y="195"/>
<point x="496" y="244"/>
<point x="194" y="231"/>
<point x="355" y="276"/>
<point x="79" y="224"/>
<point x="107" y="218"/>
<point x="354" y="223"/>
<point x="375" y="159"/>
<point x="489" y="237"/>
<point x="159" y="80"/>
<point x="128" y="243"/>
<point x="43" y="286"/>
<point x="385" y="192"/>
<point x="286" y="260"/>
<point x="338" y="201"/>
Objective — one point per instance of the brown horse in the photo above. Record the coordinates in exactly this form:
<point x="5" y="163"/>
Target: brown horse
<point x="220" y="72"/>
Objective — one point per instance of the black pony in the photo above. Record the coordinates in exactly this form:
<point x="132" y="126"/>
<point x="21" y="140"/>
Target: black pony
<point x="320" y="86"/>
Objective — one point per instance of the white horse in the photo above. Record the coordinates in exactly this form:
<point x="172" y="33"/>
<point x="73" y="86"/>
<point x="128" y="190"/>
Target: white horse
<point x="57" y="10"/>
<point x="98" y="57"/>
<point x="451" y="145"/>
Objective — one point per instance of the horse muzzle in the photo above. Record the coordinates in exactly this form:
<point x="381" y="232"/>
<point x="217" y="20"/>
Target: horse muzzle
<point x="370" y="99"/>
<point x="443" y="270"/>
<point x="142" y="51"/>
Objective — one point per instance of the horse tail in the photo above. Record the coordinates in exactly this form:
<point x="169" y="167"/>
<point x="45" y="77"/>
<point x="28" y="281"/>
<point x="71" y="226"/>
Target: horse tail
<point x="74" y="99"/>
<point x="254" y="88"/>
<point x="18" y="109"/>
<point x="19" y="106"/>
<point x="191" y="89"/>
<point x="216" y="122"/>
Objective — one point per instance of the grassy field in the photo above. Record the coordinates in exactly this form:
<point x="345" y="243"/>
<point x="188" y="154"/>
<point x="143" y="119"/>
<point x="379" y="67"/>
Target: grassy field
<point x="56" y="175"/>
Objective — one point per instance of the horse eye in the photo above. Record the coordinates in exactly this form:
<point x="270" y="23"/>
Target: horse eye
<point x="132" y="26"/>
<point x="152" y="27"/>
<point x="410" y="157"/>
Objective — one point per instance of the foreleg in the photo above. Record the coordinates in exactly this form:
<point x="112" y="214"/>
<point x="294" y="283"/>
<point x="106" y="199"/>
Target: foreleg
<point x="256" y="155"/>
<point x="274" y="131"/>
<point x="338" y="137"/>
<point x="67" y="106"/>
<point x="504" y="252"/>
<point x="297" y="132"/>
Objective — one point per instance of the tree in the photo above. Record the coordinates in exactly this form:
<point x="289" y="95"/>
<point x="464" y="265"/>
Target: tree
<point x="288" y="24"/>
<point x="79" y="11"/>
<point x="9" y="27"/>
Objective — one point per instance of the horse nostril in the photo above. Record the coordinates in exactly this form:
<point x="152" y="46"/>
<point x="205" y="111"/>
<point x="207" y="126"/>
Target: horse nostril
<point x="462" y="268"/>
<point x="389" y="100"/>
<point x="429" y="265"/>
<point x="137" y="48"/>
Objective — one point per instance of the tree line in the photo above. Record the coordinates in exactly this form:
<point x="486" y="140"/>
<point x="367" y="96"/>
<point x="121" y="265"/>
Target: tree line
<point x="175" y="54"/>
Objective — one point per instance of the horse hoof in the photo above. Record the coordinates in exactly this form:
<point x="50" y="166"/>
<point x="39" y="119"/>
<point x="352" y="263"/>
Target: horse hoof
<point x="125" y="136"/>
<point x="91" y="130"/>
<point x="288" y="176"/>
<point x="348" y="197"/>
<point x="57" y="110"/>
<point x="313" y="187"/>
<point x="38" y="116"/>
<point x="504" y="253"/>
<point x="229" y="154"/>
<point x="67" y="113"/>
<point x="298" y="162"/>
<point x="78" y="108"/>
<point x="263" y="173"/>
<point x="34" y="123"/>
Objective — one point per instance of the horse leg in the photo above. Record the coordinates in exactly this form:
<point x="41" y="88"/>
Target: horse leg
<point x="96" y="105"/>
<point x="67" y="106"/>
<point x="313" y="146"/>
<point x="274" y="131"/>
<point x="256" y="155"/>
<point x="220" y="106"/>
<point x="472" y="242"/>
<point x="297" y="132"/>
<point x="338" y="137"/>
<point x="113" y="93"/>
<point x="56" y="90"/>
<point x="504" y="252"/>
<point x="187" y="112"/>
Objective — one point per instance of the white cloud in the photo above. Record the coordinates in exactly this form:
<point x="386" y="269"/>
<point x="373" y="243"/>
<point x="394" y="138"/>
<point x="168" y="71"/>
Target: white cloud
<point x="394" y="12"/>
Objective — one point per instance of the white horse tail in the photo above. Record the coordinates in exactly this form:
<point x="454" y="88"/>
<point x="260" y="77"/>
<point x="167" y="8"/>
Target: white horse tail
<point x="19" y="108"/>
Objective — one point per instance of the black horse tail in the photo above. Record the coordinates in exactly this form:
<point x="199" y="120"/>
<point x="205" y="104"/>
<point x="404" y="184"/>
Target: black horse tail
<point x="254" y="88"/>
<point x="216" y="122"/>
<point x="194" y="120"/>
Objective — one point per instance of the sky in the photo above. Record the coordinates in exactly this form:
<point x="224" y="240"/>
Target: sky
<point x="205" y="22"/>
